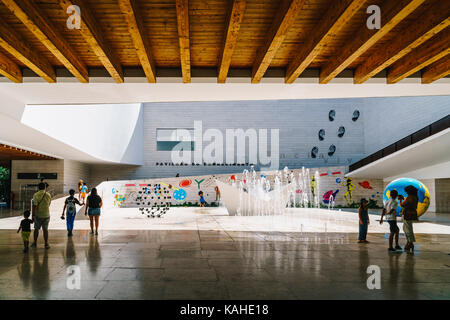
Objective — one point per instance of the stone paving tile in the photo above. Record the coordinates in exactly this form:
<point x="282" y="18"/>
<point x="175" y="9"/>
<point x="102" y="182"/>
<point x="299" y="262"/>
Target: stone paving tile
<point x="177" y="245"/>
<point x="349" y="290"/>
<point x="231" y="262"/>
<point x="299" y="274"/>
<point x="86" y="273"/>
<point x="435" y="291"/>
<point x="131" y="274"/>
<point x="170" y="264"/>
<point x="215" y="237"/>
<point x="132" y="290"/>
<point x="185" y="263"/>
<point x="88" y="290"/>
<point x="222" y="254"/>
<point x="218" y="246"/>
<point x="242" y="274"/>
<point x="410" y="275"/>
<point x="259" y="290"/>
<point x="17" y="290"/>
<point x="180" y="253"/>
<point x="138" y="263"/>
<point x="177" y="274"/>
<point x="253" y="246"/>
<point x="191" y="290"/>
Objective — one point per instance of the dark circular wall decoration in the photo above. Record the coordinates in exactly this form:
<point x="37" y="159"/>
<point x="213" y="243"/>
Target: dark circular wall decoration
<point x="331" y="150"/>
<point x="331" y="115"/>
<point x="341" y="132"/>
<point x="321" y="134"/>
<point x="356" y="115"/>
<point x="314" y="152"/>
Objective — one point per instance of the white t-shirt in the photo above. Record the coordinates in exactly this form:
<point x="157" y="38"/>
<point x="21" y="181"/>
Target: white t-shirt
<point x="391" y="204"/>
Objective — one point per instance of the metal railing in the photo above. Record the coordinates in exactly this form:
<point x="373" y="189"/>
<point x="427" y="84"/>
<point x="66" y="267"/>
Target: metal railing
<point x="27" y="191"/>
<point x="417" y="136"/>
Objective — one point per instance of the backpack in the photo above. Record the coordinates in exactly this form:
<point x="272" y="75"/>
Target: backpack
<point x="71" y="206"/>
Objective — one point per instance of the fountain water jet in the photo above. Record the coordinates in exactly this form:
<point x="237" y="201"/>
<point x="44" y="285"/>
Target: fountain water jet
<point x="270" y="193"/>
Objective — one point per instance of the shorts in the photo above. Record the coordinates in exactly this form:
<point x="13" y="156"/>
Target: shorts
<point x="393" y="226"/>
<point x="26" y="235"/>
<point x="41" y="222"/>
<point x="83" y="195"/>
<point x="94" y="211"/>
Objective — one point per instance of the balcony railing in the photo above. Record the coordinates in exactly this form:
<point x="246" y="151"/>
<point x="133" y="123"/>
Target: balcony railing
<point x="417" y="136"/>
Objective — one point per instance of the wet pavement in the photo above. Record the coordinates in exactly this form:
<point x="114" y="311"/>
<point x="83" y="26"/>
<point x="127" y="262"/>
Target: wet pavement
<point x="220" y="264"/>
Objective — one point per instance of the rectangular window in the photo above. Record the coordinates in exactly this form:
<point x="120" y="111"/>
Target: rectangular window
<point x="35" y="176"/>
<point x="167" y="139"/>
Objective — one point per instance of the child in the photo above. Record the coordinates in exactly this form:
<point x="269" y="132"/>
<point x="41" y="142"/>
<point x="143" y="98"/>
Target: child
<point x="363" y="213"/>
<point x="79" y="187"/>
<point x="84" y="191"/>
<point x="390" y="210"/>
<point x="25" y="226"/>
<point x="70" y="204"/>
<point x="202" y="199"/>
<point x="217" y="193"/>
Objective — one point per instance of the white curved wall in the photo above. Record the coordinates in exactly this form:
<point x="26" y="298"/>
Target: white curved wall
<point x="111" y="133"/>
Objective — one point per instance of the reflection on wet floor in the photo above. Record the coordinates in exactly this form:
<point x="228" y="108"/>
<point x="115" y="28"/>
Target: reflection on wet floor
<point x="201" y="264"/>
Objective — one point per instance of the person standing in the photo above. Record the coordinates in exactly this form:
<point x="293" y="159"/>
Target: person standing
<point x="217" y="193"/>
<point x="202" y="199"/>
<point x="46" y="184"/>
<point x="84" y="191"/>
<point x="409" y="206"/>
<point x="41" y="214"/>
<point x="390" y="210"/>
<point x="93" y="208"/>
<point x="79" y="187"/>
<point x="363" y="214"/>
<point x="70" y="205"/>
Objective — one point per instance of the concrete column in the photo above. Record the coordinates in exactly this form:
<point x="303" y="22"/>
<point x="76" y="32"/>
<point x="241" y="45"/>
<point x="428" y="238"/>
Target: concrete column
<point x="442" y="195"/>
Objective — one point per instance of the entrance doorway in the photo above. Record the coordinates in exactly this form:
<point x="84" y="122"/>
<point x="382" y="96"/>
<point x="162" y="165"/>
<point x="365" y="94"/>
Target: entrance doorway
<point x="5" y="184"/>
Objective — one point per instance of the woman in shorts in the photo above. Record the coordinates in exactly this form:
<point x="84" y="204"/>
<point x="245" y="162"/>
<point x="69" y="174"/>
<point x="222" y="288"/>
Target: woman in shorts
<point x="93" y="206"/>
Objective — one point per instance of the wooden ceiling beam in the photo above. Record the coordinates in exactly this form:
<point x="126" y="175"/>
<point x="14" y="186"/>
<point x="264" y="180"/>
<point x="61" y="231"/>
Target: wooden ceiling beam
<point x="93" y="35"/>
<point x="29" y="14"/>
<point x="337" y="15"/>
<point x="235" y="15"/>
<point x="182" y="7"/>
<point x="392" y="13"/>
<point x="428" y="53"/>
<point x="413" y="35"/>
<point x="14" y="153"/>
<point x="283" y="21"/>
<point x="437" y="70"/>
<point x="139" y="36"/>
<point x="10" y="69"/>
<point x="16" y="46"/>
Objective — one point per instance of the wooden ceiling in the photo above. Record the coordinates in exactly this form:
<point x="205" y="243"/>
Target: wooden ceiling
<point x="258" y="35"/>
<point x="13" y="153"/>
